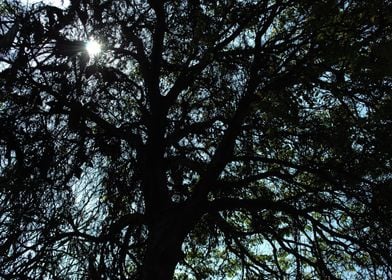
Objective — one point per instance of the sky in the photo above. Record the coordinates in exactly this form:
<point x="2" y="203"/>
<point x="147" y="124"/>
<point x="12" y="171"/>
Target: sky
<point x="57" y="3"/>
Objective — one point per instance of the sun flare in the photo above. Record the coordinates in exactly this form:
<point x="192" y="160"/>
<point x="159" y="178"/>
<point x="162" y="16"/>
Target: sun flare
<point x="93" y="47"/>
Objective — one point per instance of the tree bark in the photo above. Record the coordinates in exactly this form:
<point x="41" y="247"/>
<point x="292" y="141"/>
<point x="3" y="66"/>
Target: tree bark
<point x="166" y="236"/>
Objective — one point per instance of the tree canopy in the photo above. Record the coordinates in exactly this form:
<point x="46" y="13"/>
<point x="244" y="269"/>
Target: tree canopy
<point x="230" y="139"/>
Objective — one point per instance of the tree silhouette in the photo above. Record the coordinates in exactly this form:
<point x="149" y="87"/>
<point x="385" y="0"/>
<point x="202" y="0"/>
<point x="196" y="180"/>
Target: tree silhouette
<point x="207" y="140"/>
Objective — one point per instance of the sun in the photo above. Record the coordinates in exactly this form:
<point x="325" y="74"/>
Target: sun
<point x="93" y="47"/>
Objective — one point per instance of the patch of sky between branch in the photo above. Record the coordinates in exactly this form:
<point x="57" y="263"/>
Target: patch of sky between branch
<point x="62" y="4"/>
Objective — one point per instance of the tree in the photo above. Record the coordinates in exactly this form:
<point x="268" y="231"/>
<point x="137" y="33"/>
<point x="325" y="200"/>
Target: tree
<point x="207" y="140"/>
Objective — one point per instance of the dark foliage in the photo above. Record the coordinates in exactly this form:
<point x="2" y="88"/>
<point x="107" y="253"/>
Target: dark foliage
<point x="207" y="140"/>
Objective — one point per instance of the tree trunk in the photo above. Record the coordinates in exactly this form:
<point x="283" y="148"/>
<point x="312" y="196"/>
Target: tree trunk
<point x="162" y="255"/>
<point x="164" y="244"/>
